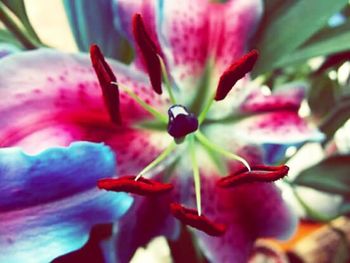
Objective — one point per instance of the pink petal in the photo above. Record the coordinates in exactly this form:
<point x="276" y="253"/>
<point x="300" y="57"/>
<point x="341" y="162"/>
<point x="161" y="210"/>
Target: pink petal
<point x="184" y="33"/>
<point x="189" y="32"/>
<point x="232" y="25"/>
<point x="288" y="97"/>
<point x="280" y="127"/>
<point x="54" y="98"/>
<point x="194" y="31"/>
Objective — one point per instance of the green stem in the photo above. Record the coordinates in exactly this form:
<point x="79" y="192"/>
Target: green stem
<point x="196" y="177"/>
<point x="166" y="80"/>
<point x="158" y="160"/>
<point x="161" y="117"/>
<point x="202" y="139"/>
<point x="22" y="37"/>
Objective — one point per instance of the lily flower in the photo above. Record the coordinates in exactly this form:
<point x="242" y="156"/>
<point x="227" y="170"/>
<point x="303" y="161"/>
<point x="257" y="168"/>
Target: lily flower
<point x="179" y="162"/>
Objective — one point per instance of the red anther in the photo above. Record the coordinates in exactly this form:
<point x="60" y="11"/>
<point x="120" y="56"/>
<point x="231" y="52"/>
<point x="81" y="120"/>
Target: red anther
<point x="190" y="217"/>
<point x="234" y="73"/>
<point x="259" y="173"/>
<point x="128" y="184"/>
<point x="105" y="76"/>
<point x="149" y="52"/>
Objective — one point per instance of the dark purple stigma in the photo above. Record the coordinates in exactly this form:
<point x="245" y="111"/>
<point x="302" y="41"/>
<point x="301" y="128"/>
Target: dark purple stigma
<point x="181" y="122"/>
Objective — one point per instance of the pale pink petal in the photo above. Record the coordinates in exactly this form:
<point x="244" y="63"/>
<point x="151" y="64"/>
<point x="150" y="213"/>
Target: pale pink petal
<point x="52" y="99"/>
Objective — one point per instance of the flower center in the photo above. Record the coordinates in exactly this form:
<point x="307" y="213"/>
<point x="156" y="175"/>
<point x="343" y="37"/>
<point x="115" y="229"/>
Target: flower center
<point x="180" y="124"/>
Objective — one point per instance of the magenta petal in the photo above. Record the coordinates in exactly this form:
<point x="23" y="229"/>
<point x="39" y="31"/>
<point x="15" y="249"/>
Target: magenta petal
<point x="148" y="218"/>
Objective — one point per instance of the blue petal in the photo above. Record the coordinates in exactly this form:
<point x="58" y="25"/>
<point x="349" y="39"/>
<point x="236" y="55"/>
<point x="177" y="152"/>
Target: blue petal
<point x="49" y="202"/>
<point x="92" y="22"/>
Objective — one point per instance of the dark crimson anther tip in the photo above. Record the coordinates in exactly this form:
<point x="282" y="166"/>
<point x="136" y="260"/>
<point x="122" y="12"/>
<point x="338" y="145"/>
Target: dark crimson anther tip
<point x="190" y="217"/>
<point x="105" y="77"/>
<point x="181" y="122"/>
<point x="235" y="72"/>
<point x="128" y="184"/>
<point x="149" y="52"/>
<point x="259" y="173"/>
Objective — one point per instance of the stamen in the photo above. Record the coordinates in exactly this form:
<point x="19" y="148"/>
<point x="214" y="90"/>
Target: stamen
<point x="166" y="80"/>
<point x="156" y="161"/>
<point x="106" y="77"/>
<point x="204" y="113"/>
<point x="129" y="184"/>
<point x="149" y="52"/>
<point x="156" y="114"/>
<point x="259" y="173"/>
<point x="181" y="122"/>
<point x="197" y="182"/>
<point x="206" y="142"/>
<point x="234" y="73"/>
<point x="190" y="217"/>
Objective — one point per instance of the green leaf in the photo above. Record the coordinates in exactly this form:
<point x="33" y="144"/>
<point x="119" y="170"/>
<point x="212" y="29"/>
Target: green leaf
<point x="18" y="8"/>
<point x="322" y="95"/>
<point x="344" y="208"/>
<point x="333" y="42"/>
<point x="292" y="28"/>
<point x="7" y="20"/>
<point x="336" y="118"/>
<point x="331" y="175"/>
<point x="7" y="37"/>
